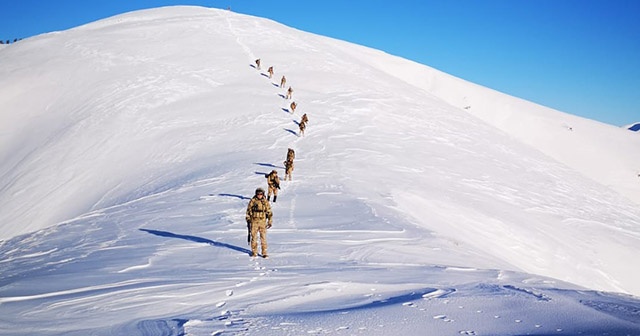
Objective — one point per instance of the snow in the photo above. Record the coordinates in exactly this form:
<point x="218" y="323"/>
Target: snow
<point x="420" y="203"/>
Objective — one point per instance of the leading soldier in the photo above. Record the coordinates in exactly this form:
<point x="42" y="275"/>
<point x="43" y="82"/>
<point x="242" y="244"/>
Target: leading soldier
<point x="259" y="218"/>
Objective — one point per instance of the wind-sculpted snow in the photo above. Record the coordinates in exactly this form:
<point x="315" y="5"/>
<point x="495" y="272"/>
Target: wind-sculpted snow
<point x="130" y="148"/>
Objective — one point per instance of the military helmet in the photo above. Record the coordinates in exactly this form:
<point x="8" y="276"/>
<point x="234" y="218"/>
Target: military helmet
<point x="259" y="191"/>
<point x="274" y="171"/>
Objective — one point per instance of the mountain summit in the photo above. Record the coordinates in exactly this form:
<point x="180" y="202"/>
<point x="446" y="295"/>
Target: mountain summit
<point x="131" y="146"/>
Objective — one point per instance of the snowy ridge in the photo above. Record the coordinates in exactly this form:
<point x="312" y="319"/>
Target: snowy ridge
<point x="124" y="182"/>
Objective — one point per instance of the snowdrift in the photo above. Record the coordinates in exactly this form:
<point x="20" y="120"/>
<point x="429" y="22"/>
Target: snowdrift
<point x="130" y="147"/>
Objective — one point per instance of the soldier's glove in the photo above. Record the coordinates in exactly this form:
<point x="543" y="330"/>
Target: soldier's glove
<point x="269" y="226"/>
<point x="248" y="221"/>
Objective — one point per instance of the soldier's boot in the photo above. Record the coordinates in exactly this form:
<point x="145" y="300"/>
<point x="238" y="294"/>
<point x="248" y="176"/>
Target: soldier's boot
<point x="269" y="198"/>
<point x="274" y="198"/>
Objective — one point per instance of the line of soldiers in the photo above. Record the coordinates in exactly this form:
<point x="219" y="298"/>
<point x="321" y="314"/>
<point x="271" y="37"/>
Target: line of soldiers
<point x="259" y="215"/>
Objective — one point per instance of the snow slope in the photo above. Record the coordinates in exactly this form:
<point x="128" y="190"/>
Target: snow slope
<point x="130" y="147"/>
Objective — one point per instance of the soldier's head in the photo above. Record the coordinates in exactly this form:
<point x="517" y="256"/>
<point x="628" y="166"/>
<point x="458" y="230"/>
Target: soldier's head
<point x="259" y="192"/>
<point x="274" y="172"/>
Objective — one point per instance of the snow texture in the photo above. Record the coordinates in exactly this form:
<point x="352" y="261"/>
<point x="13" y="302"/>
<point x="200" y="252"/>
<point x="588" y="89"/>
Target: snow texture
<point x="420" y="204"/>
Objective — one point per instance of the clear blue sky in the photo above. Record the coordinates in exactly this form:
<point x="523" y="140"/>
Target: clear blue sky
<point x="578" y="56"/>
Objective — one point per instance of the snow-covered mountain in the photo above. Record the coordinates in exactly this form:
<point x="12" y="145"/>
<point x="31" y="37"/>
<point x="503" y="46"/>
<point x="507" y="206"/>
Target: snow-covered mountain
<point x="130" y="147"/>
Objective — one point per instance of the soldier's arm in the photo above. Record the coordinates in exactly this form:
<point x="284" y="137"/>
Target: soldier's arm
<point x="269" y="215"/>
<point x="248" y="214"/>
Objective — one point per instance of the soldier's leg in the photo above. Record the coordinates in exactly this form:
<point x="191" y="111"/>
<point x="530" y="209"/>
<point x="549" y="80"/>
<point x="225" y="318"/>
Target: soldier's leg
<point x="254" y="238"/>
<point x="263" y="238"/>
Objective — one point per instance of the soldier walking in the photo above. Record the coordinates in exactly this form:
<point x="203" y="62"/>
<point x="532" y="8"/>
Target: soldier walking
<point x="293" y="106"/>
<point x="288" y="169"/>
<point x="301" y="126"/>
<point x="283" y="81"/>
<point x="259" y="218"/>
<point x="273" y="181"/>
<point x="270" y="71"/>
<point x="258" y="64"/>
<point x="289" y="93"/>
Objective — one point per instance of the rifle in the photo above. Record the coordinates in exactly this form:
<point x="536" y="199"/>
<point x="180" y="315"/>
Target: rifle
<point x="249" y="232"/>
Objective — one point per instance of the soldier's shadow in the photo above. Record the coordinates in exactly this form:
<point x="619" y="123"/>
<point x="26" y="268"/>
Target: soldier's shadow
<point x="291" y="131"/>
<point x="196" y="240"/>
<point x="233" y="195"/>
<point x="266" y="164"/>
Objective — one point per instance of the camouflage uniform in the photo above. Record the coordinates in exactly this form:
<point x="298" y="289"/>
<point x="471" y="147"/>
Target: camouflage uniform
<point x="270" y="71"/>
<point x="302" y="127"/>
<point x="293" y="106"/>
<point x="273" y="181"/>
<point x="304" y="118"/>
<point x="291" y="154"/>
<point x="259" y="218"/>
<point x="289" y="93"/>
<point x="288" y="168"/>
<point x="258" y="63"/>
<point x="283" y="81"/>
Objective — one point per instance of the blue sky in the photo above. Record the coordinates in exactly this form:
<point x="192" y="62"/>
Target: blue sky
<point x="577" y="56"/>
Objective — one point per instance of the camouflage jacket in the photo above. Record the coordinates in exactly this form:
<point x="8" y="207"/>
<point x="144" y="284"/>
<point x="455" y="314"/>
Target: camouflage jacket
<point x="259" y="210"/>
<point x="273" y="180"/>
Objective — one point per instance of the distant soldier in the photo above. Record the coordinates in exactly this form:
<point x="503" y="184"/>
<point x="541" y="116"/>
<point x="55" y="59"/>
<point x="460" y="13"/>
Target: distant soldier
<point x="273" y="181"/>
<point x="293" y="106"/>
<point x="258" y="64"/>
<point x="283" y="81"/>
<point x="304" y="119"/>
<point x="259" y="218"/>
<point x="289" y="93"/>
<point x="270" y="71"/>
<point x="291" y="154"/>
<point x="288" y="168"/>
<point x="301" y="126"/>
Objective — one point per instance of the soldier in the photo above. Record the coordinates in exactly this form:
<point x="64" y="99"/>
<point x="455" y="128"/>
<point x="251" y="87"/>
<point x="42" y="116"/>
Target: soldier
<point x="288" y="168"/>
<point x="273" y="181"/>
<point x="258" y="64"/>
<point x="270" y="71"/>
<point x="293" y="106"/>
<point x="291" y="154"/>
<point x="259" y="218"/>
<point x="302" y="126"/>
<point x="283" y="81"/>
<point x="304" y="118"/>
<point x="289" y="93"/>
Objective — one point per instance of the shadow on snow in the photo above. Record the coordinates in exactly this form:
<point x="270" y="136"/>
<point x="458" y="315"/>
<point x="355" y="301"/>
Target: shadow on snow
<point x="197" y="240"/>
<point x="233" y="195"/>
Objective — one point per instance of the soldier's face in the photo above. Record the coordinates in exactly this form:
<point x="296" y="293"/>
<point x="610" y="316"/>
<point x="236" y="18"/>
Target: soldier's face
<point x="259" y="195"/>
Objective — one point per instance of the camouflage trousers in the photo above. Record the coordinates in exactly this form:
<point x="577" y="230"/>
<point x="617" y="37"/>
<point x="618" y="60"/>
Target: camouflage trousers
<point x="259" y="227"/>
<point x="272" y="190"/>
